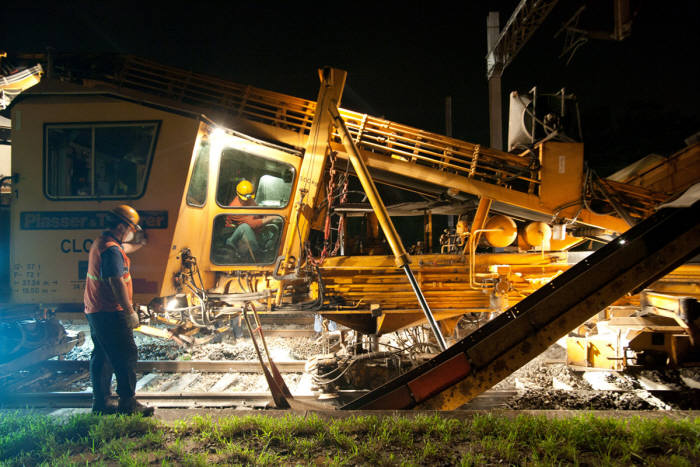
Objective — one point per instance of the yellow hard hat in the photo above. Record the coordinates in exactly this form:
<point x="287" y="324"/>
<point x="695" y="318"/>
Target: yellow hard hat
<point x="244" y="190"/>
<point x="127" y="214"/>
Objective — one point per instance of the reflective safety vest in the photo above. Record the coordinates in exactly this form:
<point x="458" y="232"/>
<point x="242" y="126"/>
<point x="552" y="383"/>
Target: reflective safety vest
<point x="98" y="293"/>
<point x="234" y="220"/>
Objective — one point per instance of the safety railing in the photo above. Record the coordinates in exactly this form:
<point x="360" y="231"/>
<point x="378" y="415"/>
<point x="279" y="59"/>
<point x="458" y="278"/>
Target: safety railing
<point x="412" y="145"/>
<point x="441" y="152"/>
<point x="216" y="95"/>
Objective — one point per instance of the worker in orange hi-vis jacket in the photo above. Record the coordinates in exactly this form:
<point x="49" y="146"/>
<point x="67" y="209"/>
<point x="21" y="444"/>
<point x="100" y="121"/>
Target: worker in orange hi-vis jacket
<point x="244" y="236"/>
<point x="111" y="315"/>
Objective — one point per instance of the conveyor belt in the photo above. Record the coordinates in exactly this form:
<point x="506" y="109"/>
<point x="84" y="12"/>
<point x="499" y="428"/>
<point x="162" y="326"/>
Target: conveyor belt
<point x="642" y="255"/>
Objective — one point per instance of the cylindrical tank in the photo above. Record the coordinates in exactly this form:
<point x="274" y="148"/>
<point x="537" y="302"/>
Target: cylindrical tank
<point x="501" y="231"/>
<point x="537" y="234"/>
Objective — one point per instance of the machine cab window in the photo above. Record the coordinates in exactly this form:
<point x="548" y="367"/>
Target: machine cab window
<point x="252" y="188"/>
<point x="265" y="183"/>
<point x="98" y="160"/>
<point x="197" y="191"/>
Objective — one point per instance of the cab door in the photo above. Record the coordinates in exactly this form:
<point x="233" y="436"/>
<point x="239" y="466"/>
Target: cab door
<point x="254" y="186"/>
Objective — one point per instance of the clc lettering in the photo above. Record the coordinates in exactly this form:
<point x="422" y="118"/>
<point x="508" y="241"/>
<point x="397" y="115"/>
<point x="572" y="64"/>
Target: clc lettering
<point x="72" y="245"/>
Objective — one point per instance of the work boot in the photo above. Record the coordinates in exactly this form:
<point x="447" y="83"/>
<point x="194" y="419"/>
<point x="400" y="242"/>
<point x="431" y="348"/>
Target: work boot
<point x="107" y="407"/>
<point x="132" y="406"/>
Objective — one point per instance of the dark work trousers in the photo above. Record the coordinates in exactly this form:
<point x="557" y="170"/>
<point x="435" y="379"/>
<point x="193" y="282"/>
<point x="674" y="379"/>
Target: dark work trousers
<point x="115" y="352"/>
<point x="245" y="240"/>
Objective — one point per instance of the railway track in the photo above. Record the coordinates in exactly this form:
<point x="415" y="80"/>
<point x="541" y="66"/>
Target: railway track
<point x="204" y="384"/>
<point x="189" y="400"/>
<point x="174" y="378"/>
<point x="171" y="377"/>
<point x="177" y="377"/>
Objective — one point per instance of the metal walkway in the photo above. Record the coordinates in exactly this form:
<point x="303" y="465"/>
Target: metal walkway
<point x="636" y="259"/>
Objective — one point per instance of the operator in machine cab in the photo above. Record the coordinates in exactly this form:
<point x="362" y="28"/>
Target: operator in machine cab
<point x="111" y="315"/>
<point x="244" y="238"/>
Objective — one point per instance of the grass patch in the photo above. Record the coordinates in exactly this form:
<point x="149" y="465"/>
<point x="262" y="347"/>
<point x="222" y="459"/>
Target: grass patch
<point x="27" y="439"/>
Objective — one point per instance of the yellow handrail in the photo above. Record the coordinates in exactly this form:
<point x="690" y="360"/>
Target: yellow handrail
<point x="294" y="114"/>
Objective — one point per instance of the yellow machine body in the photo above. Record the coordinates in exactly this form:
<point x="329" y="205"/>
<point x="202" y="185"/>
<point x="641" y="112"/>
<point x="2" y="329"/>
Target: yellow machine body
<point x="196" y="156"/>
<point x="51" y="235"/>
<point x="50" y="238"/>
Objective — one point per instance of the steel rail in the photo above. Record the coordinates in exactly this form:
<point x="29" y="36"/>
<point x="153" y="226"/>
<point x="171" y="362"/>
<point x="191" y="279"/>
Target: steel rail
<point x="489" y="400"/>
<point x="64" y="399"/>
<point x="157" y="399"/>
<point x="184" y="366"/>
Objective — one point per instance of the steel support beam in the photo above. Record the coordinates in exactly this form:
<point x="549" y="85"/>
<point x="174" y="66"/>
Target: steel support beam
<point x="312" y="167"/>
<point x="522" y="24"/>
<point x="495" y="66"/>
<point x="388" y="228"/>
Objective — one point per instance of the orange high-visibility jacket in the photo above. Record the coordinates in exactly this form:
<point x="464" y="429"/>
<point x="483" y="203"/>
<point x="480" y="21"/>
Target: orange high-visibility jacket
<point x="98" y="292"/>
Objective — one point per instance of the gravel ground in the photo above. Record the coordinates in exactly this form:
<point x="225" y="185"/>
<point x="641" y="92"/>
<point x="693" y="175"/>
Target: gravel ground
<point x="242" y="382"/>
<point x="301" y="348"/>
<point x="150" y="348"/>
<point x="545" y="372"/>
<point x="547" y="383"/>
<point x="552" y="399"/>
<point x="153" y="348"/>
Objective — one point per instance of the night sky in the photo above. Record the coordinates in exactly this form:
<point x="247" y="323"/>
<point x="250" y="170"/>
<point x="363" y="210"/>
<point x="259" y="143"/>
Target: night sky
<point x="636" y="97"/>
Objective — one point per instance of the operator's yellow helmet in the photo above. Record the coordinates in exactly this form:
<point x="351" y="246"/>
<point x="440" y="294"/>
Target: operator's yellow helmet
<point x="128" y="215"/>
<point x="244" y="190"/>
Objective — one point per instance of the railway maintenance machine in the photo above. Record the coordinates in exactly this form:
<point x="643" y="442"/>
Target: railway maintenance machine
<point x="538" y="245"/>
